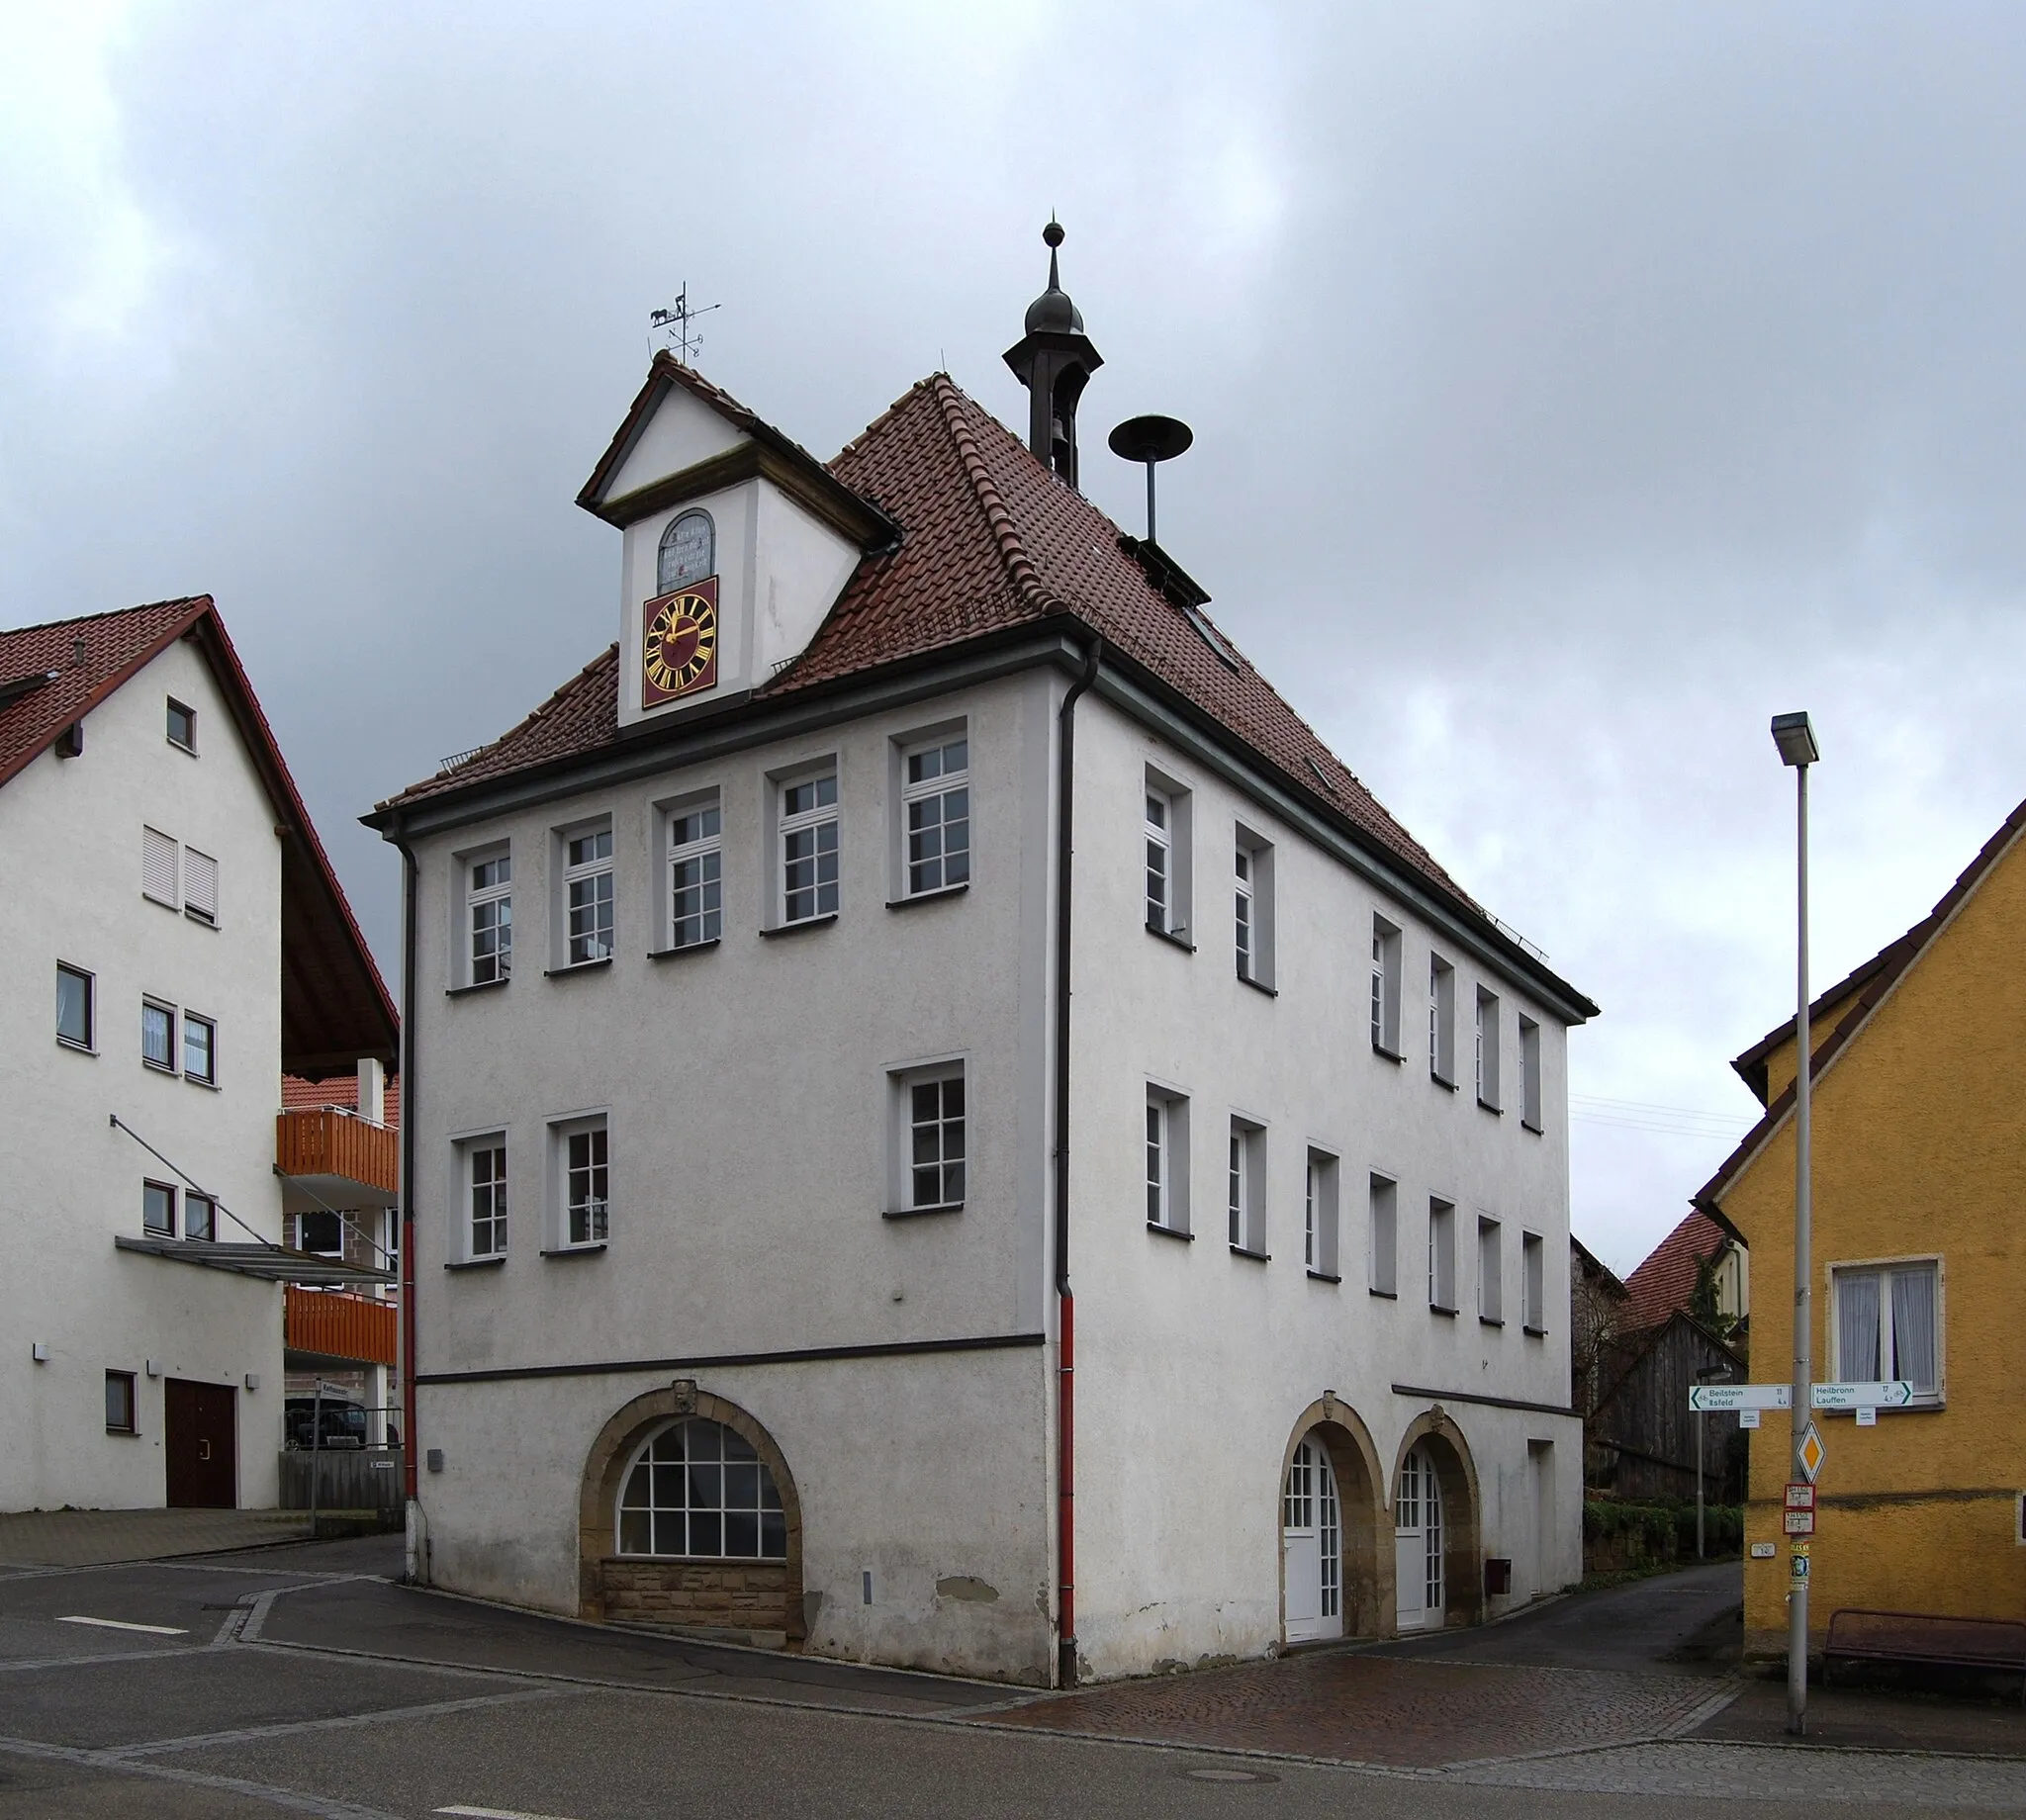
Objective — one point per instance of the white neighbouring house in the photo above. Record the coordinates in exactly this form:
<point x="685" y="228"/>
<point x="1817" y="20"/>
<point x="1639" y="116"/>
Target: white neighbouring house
<point x="921" y="928"/>
<point x="176" y="938"/>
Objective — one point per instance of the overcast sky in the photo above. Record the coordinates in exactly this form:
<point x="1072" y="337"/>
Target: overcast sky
<point x="1574" y="386"/>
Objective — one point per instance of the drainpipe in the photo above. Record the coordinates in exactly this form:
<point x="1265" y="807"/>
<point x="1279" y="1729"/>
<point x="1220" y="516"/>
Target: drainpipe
<point x="414" y="1561"/>
<point x="1065" y="1374"/>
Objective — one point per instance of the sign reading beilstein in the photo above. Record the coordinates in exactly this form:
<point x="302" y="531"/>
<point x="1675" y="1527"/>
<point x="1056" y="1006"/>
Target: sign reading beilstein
<point x="1722" y="1399"/>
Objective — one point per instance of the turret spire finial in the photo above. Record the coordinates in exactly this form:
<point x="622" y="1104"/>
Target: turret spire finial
<point x="1054" y="360"/>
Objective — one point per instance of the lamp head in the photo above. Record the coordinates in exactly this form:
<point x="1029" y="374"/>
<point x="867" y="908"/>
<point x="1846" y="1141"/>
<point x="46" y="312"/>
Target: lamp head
<point x="1795" y="739"/>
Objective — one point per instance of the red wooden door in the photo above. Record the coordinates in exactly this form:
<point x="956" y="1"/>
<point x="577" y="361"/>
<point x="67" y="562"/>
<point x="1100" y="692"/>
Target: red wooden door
<point x="200" y="1424"/>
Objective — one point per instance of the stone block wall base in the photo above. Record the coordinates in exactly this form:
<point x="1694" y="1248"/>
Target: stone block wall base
<point x="744" y="1597"/>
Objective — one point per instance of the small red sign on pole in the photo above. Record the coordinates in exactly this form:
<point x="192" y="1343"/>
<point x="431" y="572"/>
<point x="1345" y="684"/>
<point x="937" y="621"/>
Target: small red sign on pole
<point x="1800" y="1496"/>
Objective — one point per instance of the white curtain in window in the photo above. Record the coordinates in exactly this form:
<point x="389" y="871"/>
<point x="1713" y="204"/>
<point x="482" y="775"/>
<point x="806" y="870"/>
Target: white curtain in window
<point x="1857" y="1326"/>
<point x="1913" y="1328"/>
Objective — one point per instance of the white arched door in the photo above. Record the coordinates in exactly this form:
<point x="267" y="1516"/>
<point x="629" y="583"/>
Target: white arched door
<point x="1418" y="1543"/>
<point x="1312" y="1545"/>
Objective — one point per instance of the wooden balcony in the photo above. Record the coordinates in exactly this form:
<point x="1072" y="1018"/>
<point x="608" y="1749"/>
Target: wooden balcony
<point x="333" y="1158"/>
<point x="338" y="1326"/>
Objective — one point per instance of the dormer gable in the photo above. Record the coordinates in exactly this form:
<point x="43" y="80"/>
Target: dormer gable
<point x="737" y="543"/>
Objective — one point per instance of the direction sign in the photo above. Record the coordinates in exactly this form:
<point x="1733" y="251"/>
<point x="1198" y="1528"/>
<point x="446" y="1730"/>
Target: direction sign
<point x="1720" y="1399"/>
<point x="1895" y="1395"/>
<point x="1812" y="1453"/>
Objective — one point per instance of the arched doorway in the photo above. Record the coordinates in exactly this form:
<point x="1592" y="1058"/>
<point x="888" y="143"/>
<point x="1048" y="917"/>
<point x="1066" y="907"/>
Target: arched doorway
<point x="1439" y="1569"/>
<point x="1334" y="1578"/>
<point x="688" y="1516"/>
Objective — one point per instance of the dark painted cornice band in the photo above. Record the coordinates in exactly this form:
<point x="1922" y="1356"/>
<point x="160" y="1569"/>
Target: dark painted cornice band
<point x="755" y="721"/>
<point x="810" y="485"/>
<point x="724" y="1361"/>
<point x="1491" y="1403"/>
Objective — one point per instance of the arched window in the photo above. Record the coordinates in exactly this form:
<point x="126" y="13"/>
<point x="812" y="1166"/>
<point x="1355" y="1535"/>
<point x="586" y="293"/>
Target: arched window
<point x="689" y="552"/>
<point x="701" y="1489"/>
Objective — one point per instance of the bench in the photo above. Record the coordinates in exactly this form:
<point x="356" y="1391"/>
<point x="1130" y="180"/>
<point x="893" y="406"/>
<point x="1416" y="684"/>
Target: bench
<point x="1985" y="1644"/>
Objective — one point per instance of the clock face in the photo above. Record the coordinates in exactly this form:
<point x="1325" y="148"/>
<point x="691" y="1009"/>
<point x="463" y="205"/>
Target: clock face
<point x="679" y="643"/>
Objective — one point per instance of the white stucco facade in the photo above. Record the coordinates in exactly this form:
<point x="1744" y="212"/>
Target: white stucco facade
<point x="70" y="1181"/>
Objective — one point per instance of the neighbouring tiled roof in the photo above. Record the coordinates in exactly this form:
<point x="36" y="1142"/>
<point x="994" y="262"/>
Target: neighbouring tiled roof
<point x="991" y="540"/>
<point x="299" y="1094"/>
<point x="336" y="1007"/>
<point x="1665" y="1280"/>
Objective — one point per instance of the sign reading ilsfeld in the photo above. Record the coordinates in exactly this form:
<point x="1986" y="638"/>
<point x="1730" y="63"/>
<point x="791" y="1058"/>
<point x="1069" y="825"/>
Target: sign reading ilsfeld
<point x="1721" y="1398"/>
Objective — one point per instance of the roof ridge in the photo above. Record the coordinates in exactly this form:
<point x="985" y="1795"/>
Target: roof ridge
<point x="610" y="655"/>
<point x="885" y="417"/>
<point x="114" y="612"/>
<point x="1019" y="565"/>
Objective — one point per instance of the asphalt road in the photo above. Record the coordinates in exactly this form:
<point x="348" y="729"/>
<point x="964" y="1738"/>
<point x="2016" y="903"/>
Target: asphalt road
<point x="300" y="1681"/>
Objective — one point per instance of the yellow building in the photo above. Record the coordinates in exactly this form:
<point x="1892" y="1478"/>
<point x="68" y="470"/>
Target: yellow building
<point x="1919" y="1265"/>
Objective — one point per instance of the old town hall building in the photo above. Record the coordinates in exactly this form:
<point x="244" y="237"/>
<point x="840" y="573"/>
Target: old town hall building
<point x="944" y="1126"/>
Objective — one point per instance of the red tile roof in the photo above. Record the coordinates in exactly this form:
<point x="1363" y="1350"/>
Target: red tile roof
<point x="299" y="1094"/>
<point x="336" y="1007"/>
<point x="991" y="540"/>
<point x="1666" y="1280"/>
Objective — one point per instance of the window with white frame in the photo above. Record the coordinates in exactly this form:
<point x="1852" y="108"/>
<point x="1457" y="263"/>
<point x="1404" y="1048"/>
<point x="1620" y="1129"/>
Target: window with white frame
<point x="588" y="896"/>
<point x="1530" y="1073"/>
<point x="76" y="1007"/>
<point x="321" y="1234"/>
<point x="1319" y="1215"/>
<point x="200" y="1049"/>
<point x="1534" y="1281"/>
<point x="489" y="919"/>
<point x="182" y="725"/>
<point x="158" y="867"/>
<point x="1167" y="1161"/>
<point x="1253" y="891"/>
<point x="158" y="1209"/>
<point x="808" y="848"/>
<point x="159" y="1035"/>
<point x="1385" y="995"/>
<point x="1888" y="1325"/>
<point x="1382" y="1250"/>
<point x="583" y="1182"/>
<point x="1166" y="840"/>
<point x="1491" y="1272"/>
<point x="1441" y="1256"/>
<point x="1488" y="1050"/>
<point x="1441" y="1021"/>
<point x="200" y="1216"/>
<point x="695" y="874"/>
<point x="935" y="796"/>
<point x="1246" y="1189"/>
<point x="485" y="1176"/>
<point x="932" y="1138"/>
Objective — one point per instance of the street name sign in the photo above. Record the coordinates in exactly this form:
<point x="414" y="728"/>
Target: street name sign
<point x="1722" y="1399"/>
<point x="1894" y="1395"/>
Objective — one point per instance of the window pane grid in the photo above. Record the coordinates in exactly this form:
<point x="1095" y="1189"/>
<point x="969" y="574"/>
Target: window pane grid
<point x="699" y="1488"/>
<point x="1245" y="913"/>
<point x="937" y="794"/>
<point x="489" y="1200"/>
<point x="1156" y="1166"/>
<point x="936" y="1143"/>
<point x="587" y="885"/>
<point x="586" y="1193"/>
<point x="696" y="878"/>
<point x="1157" y="851"/>
<point x="492" y="920"/>
<point x="810" y="849"/>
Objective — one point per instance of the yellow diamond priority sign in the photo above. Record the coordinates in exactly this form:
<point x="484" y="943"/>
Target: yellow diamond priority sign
<point x="1811" y="1453"/>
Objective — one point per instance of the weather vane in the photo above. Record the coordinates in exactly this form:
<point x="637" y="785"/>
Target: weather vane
<point x="675" y="326"/>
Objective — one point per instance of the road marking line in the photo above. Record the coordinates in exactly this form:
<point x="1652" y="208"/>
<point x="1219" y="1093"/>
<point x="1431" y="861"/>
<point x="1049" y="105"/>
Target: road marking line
<point x="494" y="1813"/>
<point x="250" y="1734"/>
<point x="325" y="1808"/>
<point x="154" y="1630"/>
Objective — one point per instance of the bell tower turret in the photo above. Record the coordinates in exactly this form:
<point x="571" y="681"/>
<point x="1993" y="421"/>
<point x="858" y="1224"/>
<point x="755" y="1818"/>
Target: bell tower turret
<point x="1054" y="360"/>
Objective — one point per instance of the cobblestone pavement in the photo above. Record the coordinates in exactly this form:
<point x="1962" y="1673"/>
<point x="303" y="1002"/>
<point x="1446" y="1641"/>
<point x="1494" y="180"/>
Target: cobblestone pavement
<point x="1374" y="1709"/>
<point x="88" y="1538"/>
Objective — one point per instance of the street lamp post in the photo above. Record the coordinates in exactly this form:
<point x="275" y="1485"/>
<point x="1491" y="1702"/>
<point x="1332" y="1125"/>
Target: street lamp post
<point x="1795" y="739"/>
